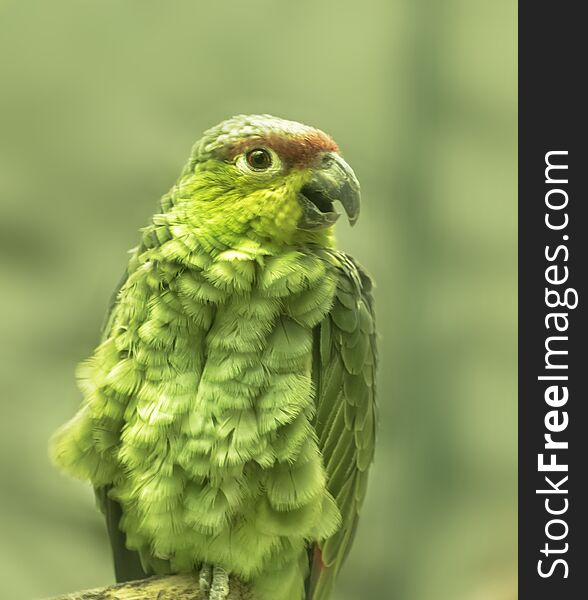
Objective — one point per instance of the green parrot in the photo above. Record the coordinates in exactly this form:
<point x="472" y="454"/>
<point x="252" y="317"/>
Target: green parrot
<point x="228" y="415"/>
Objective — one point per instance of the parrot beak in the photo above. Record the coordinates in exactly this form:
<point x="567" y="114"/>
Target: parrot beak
<point x="333" y="180"/>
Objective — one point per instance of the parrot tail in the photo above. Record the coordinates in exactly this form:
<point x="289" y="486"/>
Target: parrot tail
<point x="127" y="564"/>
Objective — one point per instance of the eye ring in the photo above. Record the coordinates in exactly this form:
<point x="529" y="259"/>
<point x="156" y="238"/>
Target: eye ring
<point x="259" y="159"/>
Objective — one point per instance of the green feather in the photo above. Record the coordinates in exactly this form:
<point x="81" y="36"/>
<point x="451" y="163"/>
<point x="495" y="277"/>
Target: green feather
<point x="345" y="419"/>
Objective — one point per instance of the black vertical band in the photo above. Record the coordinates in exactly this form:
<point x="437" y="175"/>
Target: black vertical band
<point x="553" y="268"/>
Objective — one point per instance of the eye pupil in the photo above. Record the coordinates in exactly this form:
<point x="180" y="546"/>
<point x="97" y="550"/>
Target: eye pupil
<point x="259" y="159"/>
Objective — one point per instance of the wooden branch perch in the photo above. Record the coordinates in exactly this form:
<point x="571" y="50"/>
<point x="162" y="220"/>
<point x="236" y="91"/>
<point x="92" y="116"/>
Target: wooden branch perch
<point x="174" y="587"/>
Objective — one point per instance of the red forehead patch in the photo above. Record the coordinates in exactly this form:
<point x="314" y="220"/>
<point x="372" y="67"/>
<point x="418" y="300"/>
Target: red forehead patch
<point x="295" y="150"/>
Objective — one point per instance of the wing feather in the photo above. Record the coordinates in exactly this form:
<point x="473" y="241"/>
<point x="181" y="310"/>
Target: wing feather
<point x="344" y="378"/>
<point x="127" y="564"/>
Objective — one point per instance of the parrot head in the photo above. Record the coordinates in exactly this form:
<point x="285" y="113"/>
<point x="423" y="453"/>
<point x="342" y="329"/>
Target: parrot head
<point x="267" y="178"/>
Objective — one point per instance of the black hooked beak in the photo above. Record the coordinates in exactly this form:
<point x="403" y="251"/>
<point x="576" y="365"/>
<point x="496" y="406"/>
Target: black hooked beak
<point x="332" y="181"/>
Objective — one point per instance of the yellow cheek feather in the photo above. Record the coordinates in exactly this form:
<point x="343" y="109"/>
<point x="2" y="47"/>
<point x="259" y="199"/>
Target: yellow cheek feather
<point x="224" y="210"/>
<point x="277" y="207"/>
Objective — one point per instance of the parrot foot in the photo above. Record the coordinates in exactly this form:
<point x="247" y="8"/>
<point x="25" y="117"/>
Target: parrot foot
<point x="214" y="582"/>
<point x="219" y="589"/>
<point x="204" y="579"/>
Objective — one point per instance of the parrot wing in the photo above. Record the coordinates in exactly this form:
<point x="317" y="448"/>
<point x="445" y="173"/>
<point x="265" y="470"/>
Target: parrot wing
<point x="127" y="564"/>
<point x="344" y="367"/>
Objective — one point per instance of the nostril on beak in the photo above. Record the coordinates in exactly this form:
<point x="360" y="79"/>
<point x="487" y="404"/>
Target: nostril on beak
<point x="326" y="160"/>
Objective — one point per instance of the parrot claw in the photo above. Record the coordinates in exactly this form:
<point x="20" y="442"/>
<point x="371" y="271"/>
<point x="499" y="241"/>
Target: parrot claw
<point x="219" y="589"/>
<point x="204" y="579"/>
<point x="214" y="582"/>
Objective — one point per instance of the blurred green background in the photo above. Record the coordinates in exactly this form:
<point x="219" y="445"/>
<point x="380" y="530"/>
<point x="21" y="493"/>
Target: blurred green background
<point x="100" y="102"/>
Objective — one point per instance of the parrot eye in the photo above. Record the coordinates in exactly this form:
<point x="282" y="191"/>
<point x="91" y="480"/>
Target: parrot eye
<point x="259" y="159"/>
